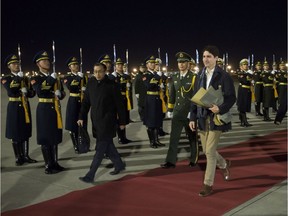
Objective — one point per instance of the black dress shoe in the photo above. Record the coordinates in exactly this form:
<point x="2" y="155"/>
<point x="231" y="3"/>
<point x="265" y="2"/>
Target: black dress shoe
<point x="57" y="167"/>
<point x="167" y="165"/>
<point x="86" y="179"/>
<point x="117" y="171"/>
<point x="191" y="164"/>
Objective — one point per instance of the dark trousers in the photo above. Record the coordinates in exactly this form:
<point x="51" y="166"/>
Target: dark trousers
<point x="105" y="146"/>
<point x="176" y="130"/>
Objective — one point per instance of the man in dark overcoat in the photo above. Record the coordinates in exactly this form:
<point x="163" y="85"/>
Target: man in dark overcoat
<point x="103" y="97"/>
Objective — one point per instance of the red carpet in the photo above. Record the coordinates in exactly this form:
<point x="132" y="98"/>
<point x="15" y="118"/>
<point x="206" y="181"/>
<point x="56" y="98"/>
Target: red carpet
<point x="257" y="165"/>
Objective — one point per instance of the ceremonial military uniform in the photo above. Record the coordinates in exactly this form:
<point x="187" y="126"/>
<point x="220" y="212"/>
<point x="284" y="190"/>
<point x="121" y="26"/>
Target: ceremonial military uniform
<point x="181" y="91"/>
<point x="268" y="91"/>
<point x="140" y="91"/>
<point x="258" y="88"/>
<point x="18" y="119"/>
<point x="282" y="93"/>
<point x="76" y="85"/>
<point x="244" y="92"/>
<point x="153" y="105"/>
<point x="123" y="81"/>
<point x="50" y="90"/>
<point x="163" y="93"/>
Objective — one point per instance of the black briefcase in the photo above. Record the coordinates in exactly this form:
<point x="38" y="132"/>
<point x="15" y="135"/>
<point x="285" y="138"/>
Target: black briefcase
<point x="83" y="140"/>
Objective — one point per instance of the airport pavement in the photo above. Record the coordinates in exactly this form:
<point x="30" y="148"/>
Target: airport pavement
<point x="26" y="185"/>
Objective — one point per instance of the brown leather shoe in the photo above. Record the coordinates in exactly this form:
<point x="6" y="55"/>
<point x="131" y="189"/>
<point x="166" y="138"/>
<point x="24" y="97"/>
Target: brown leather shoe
<point x="226" y="171"/>
<point x="206" y="190"/>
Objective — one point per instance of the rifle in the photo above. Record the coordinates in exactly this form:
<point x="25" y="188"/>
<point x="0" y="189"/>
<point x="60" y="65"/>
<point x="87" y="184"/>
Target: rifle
<point x="23" y="97"/>
<point x="57" y="86"/>
<point x="128" y="87"/>
<point x="159" y="56"/>
<point x="114" y="52"/>
<point x="82" y="80"/>
<point x="252" y="62"/>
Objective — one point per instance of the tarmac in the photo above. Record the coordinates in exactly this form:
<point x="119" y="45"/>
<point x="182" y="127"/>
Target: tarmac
<point x="28" y="184"/>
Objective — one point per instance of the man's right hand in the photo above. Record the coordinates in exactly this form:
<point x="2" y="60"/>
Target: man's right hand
<point x="80" y="122"/>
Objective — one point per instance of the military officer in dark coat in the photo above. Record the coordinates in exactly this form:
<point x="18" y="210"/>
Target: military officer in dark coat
<point x="258" y="88"/>
<point x="181" y="91"/>
<point x="268" y="90"/>
<point x="153" y="105"/>
<point x="50" y="91"/>
<point x="123" y="81"/>
<point x="106" y="60"/>
<point x="163" y="93"/>
<point x="18" y="119"/>
<point x="139" y="90"/>
<point x="103" y="97"/>
<point x="281" y="77"/>
<point x="76" y="84"/>
<point x="245" y="77"/>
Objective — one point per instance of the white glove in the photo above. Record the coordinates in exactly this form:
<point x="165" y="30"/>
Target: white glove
<point x="80" y="74"/>
<point x="169" y="114"/>
<point x="250" y="72"/>
<point x="24" y="90"/>
<point x="188" y="116"/>
<point x="20" y="74"/>
<point x="137" y="95"/>
<point x="83" y="88"/>
<point x="159" y="73"/>
<point x="58" y="93"/>
<point x="128" y="85"/>
<point x="162" y="85"/>
<point x="114" y="73"/>
<point x="54" y="75"/>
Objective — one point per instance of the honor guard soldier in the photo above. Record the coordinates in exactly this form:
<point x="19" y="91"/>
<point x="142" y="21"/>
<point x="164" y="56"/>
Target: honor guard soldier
<point x="192" y="66"/>
<point x="124" y="84"/>
<point x="105" y="59"/>
<point x="281" y="77"/>
<point x="50" y="90"/>
<point x="129" y="86"/>
<point x="258" y="87"/>
<point x="140" y="91"/>
<point x="244" y="92"/>
<point x="163" y="93"/>
<point x="181" y="91"/>
<point x="153" y="104"/>
<point x="220" y="63"/>
<point x="274" y="72"/>
<point x="268" y="91"/>
<point x="76" y="84"/>
<point x="18" y="119"/>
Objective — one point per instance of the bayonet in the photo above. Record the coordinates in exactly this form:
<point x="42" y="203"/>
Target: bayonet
<point x="54" y="57"/>
<point x="81" y="60"/>
<point x="114" y="53"/>
<point x="19" y="55"/>
<point x="127" y="57"/>
<point x="197" y="57"/>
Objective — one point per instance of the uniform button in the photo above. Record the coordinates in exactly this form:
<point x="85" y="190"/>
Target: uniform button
<point x="178" y="104"/>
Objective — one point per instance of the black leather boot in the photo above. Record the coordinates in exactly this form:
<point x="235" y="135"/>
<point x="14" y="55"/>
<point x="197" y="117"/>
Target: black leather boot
<point x="74" y="141"/>
<point x="156" y="138"/>
<point x="151" y="138"/>
<point x="257" y="109"/>
<point x="121" y="137"/>
<point x="246" y="124"/>
<point x="266" y="114"/>
<point x="25" y="149"/>
<point x="46" y="152"/>
<point x="56" y="166"/>
<point x="17" y="148"/>
<point x="241" y="120"/>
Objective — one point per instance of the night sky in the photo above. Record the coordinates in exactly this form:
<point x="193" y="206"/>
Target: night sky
<point x="237" y="27"/>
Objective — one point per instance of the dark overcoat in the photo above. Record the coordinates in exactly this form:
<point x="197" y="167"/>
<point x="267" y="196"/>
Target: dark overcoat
<point x="104" y="99"/>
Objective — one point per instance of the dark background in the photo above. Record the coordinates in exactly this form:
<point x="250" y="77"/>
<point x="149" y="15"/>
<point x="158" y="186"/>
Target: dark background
<point x="237" y="27"/>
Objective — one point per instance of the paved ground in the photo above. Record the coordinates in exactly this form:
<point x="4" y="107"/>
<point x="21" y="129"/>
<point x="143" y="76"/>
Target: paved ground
<point x="27" y="184"/>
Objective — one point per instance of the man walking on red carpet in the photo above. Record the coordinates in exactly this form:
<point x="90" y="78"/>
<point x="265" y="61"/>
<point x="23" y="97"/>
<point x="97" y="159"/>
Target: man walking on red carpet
<point x="104" y="98"/>
<point x="210" y="130"/>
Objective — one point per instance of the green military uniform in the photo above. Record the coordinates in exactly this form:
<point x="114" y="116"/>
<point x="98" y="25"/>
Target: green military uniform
<point x="181" y="91"/>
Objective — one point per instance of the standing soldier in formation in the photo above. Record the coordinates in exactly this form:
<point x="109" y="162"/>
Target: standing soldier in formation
<point x="129" y="87"/>
<point x="105" y="59"/>
<point x="258" y="87"/>
<point x="244" y="92"/>
<point x="220" y="63"/>
<point x="281" y="77"/>
<point x="18" y="119"/>
<point x="123" y="81"/>
<point x="268" y="91"/>
<point x="139" y="90"/>
<point x="274" y="72"/>
<point x="163" y="93"/>
<point x="181" y="91"/>
<point x="50" y="90"/>
<point x="76" y="84"/>
<point x="153" y="104"/>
